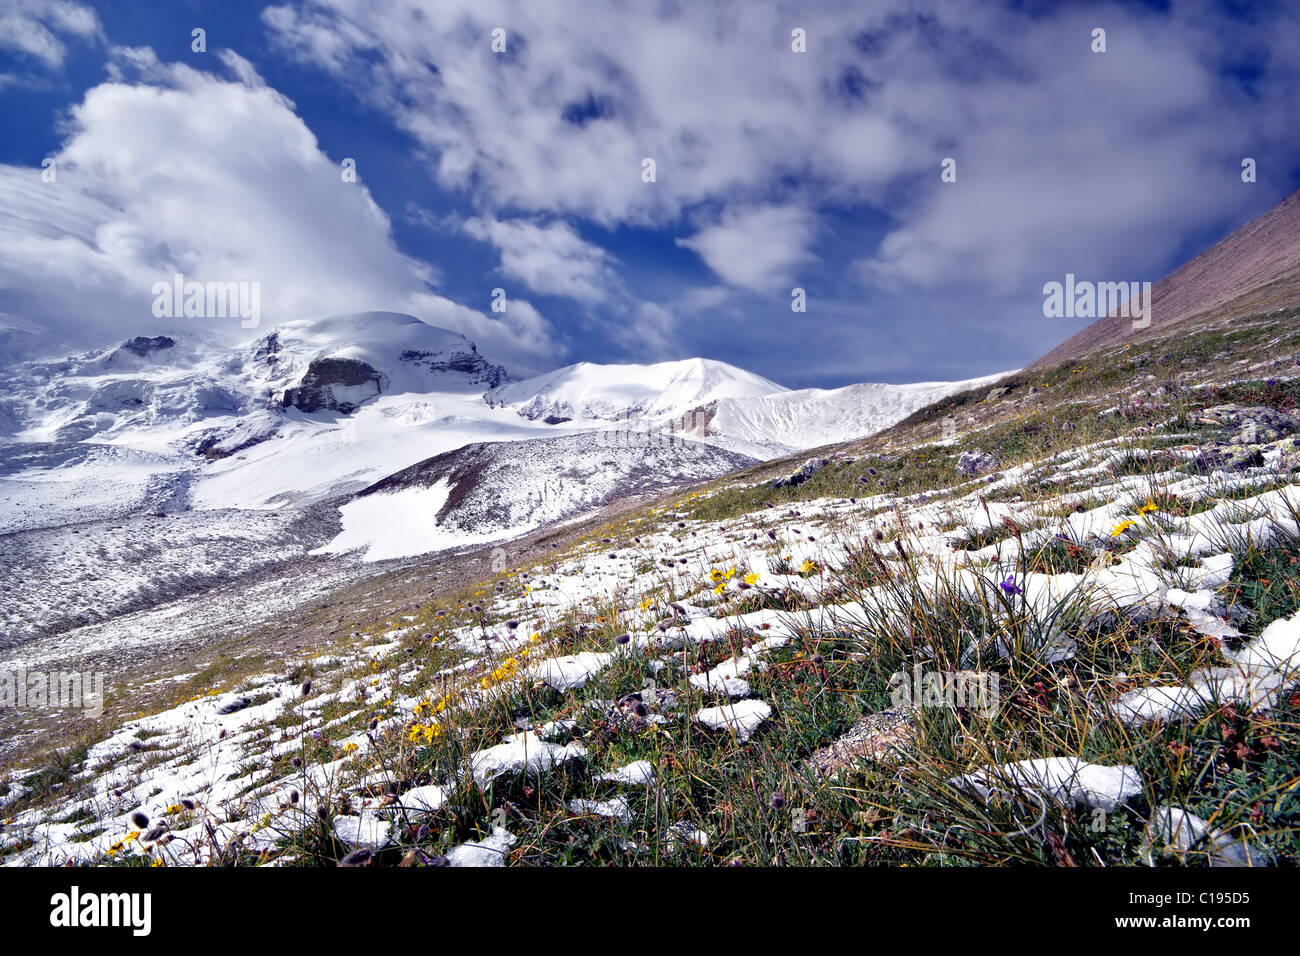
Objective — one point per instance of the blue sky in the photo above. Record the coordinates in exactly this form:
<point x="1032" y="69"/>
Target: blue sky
<point x="522" y="170"/>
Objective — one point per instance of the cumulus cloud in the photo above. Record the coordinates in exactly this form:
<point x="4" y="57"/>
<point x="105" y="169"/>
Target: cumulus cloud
<point x="1077" y="160"/>
<point x="169" y="169"/>
<point x="712" y="92"/>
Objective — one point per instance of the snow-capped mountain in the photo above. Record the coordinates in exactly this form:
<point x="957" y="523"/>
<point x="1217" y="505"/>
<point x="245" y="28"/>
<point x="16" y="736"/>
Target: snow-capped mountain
<point x="321" y="408"/>
<point x="788" y="421"/>
<point x="717" y="403"/>
<point x="652" y="393"/>
<point x="327" y="437"/>
<point x="340" y="363"/>
<point x="308" y="411"/>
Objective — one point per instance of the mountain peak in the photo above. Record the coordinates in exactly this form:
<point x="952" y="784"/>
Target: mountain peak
<point x="341" y="361"/>
<point x="614" y="392"/>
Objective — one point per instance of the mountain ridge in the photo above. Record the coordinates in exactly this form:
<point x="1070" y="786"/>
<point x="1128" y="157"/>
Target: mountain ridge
<point x="1261" y="257"/>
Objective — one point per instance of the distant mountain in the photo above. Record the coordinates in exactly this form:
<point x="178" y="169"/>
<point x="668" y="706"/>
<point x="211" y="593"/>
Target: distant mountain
<point x="371" y="435"/>
<point x="1254" y="269"/>
<point x="311" y="410"/>
<point x="788" y="421"/>
<point x="651" y="393"/>
<point x="19" y="339"/>
<point x="717" y="403"/>
<point x="342" y="362"/>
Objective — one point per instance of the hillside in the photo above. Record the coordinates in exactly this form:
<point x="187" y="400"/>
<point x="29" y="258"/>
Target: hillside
<point x="1252" y="270"/>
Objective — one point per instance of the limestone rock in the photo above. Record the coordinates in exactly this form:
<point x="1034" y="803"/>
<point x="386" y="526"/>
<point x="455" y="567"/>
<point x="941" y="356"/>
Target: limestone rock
<point x="1064" y="779"/>
<point x="1173" y="831"/>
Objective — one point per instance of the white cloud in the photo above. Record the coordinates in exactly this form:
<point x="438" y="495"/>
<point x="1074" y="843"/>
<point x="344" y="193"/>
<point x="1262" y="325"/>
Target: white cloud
<point x="38" y="28"/>
<point x="551" y="259"/>
<point x="712" y="92"/>
<point x="169" y="169"/>
<point x="757" y="249"/>
<point x="654" y="331"/>
<point x="699" y="298"/>
<point x="1064" y="156"/>
<point x="1096" y="163"/>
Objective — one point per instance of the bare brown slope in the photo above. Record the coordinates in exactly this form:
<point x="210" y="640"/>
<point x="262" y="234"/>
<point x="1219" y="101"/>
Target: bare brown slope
<point x="1254" y="269"/>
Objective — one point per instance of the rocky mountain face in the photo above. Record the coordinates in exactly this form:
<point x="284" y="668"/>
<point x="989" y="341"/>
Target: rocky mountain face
<point x="1254" y="269"/>
<point x="502" y="488"/>
<point x="341" y="363"/>
<point x="621" y="393"/>
<point x="338" y="384"/>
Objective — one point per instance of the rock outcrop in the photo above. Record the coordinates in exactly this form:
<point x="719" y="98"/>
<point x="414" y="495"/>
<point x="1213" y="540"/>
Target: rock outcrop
<point x="337" y="384"/>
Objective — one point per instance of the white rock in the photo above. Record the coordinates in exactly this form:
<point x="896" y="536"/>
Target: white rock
<point x="366" y="831"/>
<point x="639" y="773"/>
<point x="1176" y="832"/>
<point x="742" y="717"/>
<point x="524" y="753"/>
<point x="489" y="852"/>
<point x="616" y="808"/>
<point x="1065" y="779"/>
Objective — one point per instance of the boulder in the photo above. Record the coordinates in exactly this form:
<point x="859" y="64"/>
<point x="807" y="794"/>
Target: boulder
<point x="877" y="737"/>
<point x="976" y="462"/>
<point x="1063" y="779"/>
<point x="1175" y="832"/>
<point x="802" y="474"/>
